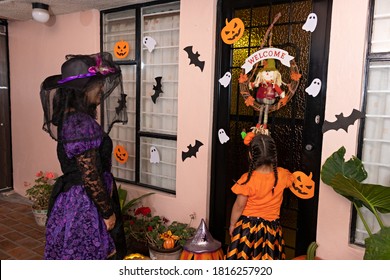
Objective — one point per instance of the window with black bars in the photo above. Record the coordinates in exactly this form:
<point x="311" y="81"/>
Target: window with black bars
<point x="150" y="36"/>
<point x="374" y="145"/>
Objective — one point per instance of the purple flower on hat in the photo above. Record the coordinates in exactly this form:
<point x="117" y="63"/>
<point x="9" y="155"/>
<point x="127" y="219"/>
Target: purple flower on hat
<point x="92" y="71"/>
<point x="99" y="68"/>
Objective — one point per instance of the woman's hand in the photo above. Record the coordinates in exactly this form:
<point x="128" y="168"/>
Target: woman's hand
<point x="110" y="222"/>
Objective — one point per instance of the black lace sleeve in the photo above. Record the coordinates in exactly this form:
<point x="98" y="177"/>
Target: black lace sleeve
<point x="89" y="168"/>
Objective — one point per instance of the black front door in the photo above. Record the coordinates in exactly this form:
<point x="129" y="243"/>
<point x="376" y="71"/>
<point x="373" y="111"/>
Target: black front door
<point x="5" y="121"/>
<point x="296" y="127"/>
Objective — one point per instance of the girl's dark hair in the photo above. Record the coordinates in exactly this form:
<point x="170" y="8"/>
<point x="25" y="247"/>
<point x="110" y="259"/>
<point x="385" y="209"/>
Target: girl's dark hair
<point x="67" y="98"/>
<point x="263" y="152"/>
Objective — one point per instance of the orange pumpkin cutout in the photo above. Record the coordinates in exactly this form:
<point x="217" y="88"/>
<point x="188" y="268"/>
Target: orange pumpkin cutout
<point x="303" y="186"/>
<point x="232" y="31"/>
<point x="120" y="154"/>
<point x="121" y="49"/>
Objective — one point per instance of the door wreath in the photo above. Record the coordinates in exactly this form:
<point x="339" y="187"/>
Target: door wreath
<point x="269" y="96"/>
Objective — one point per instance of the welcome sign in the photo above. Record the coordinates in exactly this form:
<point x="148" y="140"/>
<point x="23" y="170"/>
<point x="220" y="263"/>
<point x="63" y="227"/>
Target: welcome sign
<point x="267" y="53"/>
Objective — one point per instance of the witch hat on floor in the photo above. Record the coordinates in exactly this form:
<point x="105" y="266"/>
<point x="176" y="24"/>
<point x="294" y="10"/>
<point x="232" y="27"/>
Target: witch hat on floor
<point x="202" y="246"/>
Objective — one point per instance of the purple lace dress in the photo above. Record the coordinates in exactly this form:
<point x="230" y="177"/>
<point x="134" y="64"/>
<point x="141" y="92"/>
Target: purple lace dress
<point x="84" y="195"/>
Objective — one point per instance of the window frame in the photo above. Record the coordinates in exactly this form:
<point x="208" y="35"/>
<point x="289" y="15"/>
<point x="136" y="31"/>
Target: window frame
<point x="137" y="62"/>
<point x="370" y="57"/>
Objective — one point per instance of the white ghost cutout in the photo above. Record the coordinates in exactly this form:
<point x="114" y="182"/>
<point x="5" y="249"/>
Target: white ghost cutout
<point x="149" y="42"/>
<point x="154" y="155"/>
<point x="314" y="87"/>
<point x="311" y="22"/>
<point x="225" y="80"/>
<point x="223" y="138"/>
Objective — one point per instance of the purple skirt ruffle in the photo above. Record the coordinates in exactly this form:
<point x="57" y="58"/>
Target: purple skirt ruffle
<point x="75" y="230"/>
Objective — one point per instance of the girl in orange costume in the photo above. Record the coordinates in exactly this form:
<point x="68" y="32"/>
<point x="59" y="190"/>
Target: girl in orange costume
<point x="255" y="228"/>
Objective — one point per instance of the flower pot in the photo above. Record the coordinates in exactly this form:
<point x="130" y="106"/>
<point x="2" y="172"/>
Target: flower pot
<point x="40" y="217"/>
<point x="165" y="254"/>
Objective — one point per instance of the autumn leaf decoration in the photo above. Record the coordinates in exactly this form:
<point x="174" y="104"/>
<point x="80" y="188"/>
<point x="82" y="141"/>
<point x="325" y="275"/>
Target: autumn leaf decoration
<point x="243" y="78"/>
<point x="295" y="76"/>
<point x="249" y="101"/>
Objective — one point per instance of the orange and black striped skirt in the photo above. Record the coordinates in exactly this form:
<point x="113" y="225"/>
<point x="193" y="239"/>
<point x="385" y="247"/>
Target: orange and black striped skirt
<point x="256" y="239"/>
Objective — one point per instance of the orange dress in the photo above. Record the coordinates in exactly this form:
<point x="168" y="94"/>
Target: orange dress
<point x="261" y="202"/>
<point x="258" y="234"/>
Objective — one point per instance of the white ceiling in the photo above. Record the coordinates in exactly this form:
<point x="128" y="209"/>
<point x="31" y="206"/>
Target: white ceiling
<point x="20" y="10"/>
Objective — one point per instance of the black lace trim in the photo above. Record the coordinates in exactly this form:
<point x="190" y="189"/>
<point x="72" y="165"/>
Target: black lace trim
<point x="89" y="166"/>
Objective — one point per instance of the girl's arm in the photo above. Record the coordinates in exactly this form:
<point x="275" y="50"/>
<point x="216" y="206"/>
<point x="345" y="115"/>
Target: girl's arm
<point x="237" y="209"/>
<point x="93" y="185"/>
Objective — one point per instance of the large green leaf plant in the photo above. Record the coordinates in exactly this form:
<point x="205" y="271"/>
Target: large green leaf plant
<point x="346" y="178"/>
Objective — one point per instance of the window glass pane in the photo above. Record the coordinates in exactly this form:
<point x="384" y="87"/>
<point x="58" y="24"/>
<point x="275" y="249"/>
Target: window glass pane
<point x="376" y="140"/>
<point x="117" y="27"/>
<point x="158" y="163"/>
<point x="381" y="27"/>
<point x="160" y="69"/>
<point x="124" y="135"/>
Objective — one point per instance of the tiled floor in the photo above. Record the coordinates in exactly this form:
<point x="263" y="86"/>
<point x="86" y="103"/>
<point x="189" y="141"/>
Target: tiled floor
<point x="20" y="237"/>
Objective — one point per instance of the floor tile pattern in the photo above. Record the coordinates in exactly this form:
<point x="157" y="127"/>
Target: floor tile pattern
<point x="20" y="237"/>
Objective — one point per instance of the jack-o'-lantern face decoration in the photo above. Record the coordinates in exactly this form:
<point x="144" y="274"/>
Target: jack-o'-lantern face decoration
<point x="120" y="154"/>
<point x="121" y="49"/>
<point x="303" y="186"/>
<point x="232" y="31"/>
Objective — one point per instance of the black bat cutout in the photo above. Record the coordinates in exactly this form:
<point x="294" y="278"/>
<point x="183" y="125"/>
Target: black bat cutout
<point x="194" y="58"/>
<point x="342" y="122"/>
<point x="157" y="89"/>
<point x="122" y="103"/>
<point x="192" y="150"/>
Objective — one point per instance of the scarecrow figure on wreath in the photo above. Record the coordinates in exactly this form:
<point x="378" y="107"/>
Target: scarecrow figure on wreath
<point x="268" y="83"/>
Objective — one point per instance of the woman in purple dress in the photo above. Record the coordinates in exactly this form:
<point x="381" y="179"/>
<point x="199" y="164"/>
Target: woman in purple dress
<point x="84" y="217"/>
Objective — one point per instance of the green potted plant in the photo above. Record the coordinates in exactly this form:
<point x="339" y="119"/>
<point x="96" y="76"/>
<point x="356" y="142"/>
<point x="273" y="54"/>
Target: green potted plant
<point x="167" y="241"/>
<point x="346" y="179"/>
<point x="136" y="220"/>
<point x="39" y="193"/>
<point x="152" y="235"/>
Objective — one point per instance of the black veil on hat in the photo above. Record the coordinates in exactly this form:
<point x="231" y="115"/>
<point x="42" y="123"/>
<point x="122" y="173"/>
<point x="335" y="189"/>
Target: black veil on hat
<point x="79" y="72"/>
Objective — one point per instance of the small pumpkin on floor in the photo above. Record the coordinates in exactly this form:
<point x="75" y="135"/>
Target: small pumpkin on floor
<point x="310" y="254"/>
<point x="136" y="256"/>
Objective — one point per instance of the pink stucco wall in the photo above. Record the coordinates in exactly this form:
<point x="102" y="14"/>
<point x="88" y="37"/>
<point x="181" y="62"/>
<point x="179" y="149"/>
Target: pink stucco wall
<point x="344" y="92"/>
<point x="36" y="51"/>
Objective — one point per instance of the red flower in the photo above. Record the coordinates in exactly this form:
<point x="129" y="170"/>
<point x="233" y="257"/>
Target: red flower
<point x="143" y="210"/>
<point x="39" y="174"/>
<point x="50" y="175"/>
<point x="150" y="228"/>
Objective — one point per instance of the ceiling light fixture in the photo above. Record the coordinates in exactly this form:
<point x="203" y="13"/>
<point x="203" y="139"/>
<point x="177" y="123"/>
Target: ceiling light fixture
<point x="40" y="12"/>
